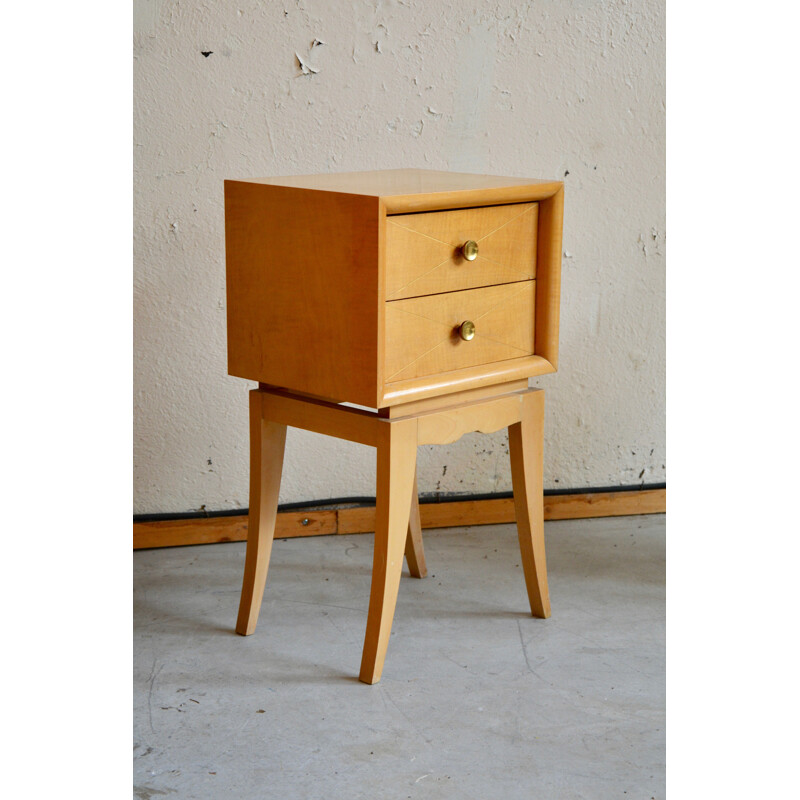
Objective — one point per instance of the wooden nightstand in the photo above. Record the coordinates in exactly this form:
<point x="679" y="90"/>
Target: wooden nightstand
<point x="428" y="299"/>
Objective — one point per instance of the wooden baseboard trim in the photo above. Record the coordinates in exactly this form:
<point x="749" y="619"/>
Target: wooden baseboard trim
<point x="173" y="533"/>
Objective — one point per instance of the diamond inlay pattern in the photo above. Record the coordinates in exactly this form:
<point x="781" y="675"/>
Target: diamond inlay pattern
<point x="423" y="251"/>
<point x="422" y="332"/>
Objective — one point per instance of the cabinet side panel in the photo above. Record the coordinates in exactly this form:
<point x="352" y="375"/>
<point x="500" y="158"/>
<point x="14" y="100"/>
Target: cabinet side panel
<point x="302" y="282"/>
<point x="548" y="288"/>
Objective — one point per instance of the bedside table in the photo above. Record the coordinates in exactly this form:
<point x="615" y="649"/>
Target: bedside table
<point x="428" y="299"/>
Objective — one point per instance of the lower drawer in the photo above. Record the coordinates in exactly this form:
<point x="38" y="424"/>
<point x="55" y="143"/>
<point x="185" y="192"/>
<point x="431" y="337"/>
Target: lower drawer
<point x="424" y="334"/>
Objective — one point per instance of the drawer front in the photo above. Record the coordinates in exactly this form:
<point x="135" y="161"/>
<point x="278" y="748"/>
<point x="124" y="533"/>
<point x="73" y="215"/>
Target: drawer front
<point x="424" y="251"/>
<point x="423" y="333"/>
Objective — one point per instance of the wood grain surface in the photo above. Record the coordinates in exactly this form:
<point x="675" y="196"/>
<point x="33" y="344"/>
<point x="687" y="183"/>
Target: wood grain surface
<point x="455" y="513"/>
<point x="424" y="251"/>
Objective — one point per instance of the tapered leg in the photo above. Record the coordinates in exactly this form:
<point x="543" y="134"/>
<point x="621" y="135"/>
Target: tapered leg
<point x="267" y="442"/>
<point x="415" y="553"/>
<point x="397" y="455"/>
<point x="526" y="447"/>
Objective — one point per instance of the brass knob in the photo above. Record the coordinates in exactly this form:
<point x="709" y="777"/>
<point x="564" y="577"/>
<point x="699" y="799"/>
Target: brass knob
<point x="469" y="250"/>
<point x="467" y="330"/>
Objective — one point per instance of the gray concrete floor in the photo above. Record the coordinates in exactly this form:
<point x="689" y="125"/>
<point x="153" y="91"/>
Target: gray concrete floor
<point x="478" y="699"/>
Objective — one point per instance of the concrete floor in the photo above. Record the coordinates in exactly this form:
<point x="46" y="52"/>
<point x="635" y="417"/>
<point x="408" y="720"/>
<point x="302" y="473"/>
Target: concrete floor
<point x="477" y="700"/>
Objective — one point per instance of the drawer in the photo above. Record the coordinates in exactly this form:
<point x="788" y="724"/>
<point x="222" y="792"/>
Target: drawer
<point x="424" y="251"/>
<point x="423" y="333"/>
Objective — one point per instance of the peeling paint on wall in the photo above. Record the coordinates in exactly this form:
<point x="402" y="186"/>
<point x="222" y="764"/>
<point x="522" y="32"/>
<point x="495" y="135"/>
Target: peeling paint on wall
<point x="540" y="90"/>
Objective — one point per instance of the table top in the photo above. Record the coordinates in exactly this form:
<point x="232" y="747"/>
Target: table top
<point x="407" y="190"/>
<point x="394" y="182"/>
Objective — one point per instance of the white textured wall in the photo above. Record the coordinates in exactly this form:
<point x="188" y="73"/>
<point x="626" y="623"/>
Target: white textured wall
<point x="571" y="90"/>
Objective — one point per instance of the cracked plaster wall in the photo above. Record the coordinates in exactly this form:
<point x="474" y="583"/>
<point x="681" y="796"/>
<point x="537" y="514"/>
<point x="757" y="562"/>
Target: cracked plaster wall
<point x="572" y="90"/>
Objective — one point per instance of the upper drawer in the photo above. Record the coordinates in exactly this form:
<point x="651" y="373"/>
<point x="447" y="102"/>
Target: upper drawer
<point x="424" y="251"/>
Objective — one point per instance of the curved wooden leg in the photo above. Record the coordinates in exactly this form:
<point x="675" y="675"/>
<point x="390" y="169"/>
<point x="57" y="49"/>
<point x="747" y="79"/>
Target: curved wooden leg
<point x="267" y="442"/>
<point x="397" y="455"/>
<point x="415" y="552"/>
<point x="526" y="448"/>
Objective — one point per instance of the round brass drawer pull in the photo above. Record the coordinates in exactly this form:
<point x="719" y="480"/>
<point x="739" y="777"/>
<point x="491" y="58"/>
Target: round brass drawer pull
<point x="467" y="330"/>
<point x="470" y="250"/>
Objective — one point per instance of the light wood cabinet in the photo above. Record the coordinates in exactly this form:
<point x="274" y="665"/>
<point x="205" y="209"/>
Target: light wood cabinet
<point x="430" y="297"/>
<point x="353" y="287"/>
